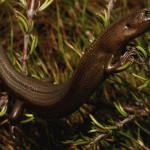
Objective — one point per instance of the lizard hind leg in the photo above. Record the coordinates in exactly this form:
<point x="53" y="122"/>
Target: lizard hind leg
<point x="14" y="116"/>
<point x="15" y="113"/>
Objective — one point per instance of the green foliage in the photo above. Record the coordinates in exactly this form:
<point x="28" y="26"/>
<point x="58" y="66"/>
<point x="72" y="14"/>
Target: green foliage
<point x="45" y="5"/>
<point x="3" y="111"/>
<point x="120" y="109"/>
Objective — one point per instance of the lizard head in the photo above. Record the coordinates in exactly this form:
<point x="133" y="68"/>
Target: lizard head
<point x="127" y="28"/>
<point x="136" y="23"/>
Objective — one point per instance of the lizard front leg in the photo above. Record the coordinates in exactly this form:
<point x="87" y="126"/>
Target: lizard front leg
<point x="112" y="67"/>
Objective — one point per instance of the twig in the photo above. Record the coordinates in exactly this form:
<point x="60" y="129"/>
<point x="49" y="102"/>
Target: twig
<point x="125" y="121"/>
<point x="25" y="49"/>
<point x="31" y="11"/>
<point x="110" y="7"/>
<point x="98" y="138"/>
<point x="119" y="125"/>
<point x="30" y="14"/>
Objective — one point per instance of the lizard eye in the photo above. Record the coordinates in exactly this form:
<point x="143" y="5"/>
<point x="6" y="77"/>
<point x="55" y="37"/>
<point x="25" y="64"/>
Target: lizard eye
<point x="127" y="26"/>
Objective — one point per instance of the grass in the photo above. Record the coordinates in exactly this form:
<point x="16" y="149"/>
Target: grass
<point x="116" y="117"/>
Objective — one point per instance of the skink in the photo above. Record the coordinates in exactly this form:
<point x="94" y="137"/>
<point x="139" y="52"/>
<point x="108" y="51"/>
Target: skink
<point x="59" y="100"/>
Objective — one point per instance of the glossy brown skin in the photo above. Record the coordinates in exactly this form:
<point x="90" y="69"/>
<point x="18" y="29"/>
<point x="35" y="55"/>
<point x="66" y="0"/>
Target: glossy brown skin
<point x="59" y="100"/>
